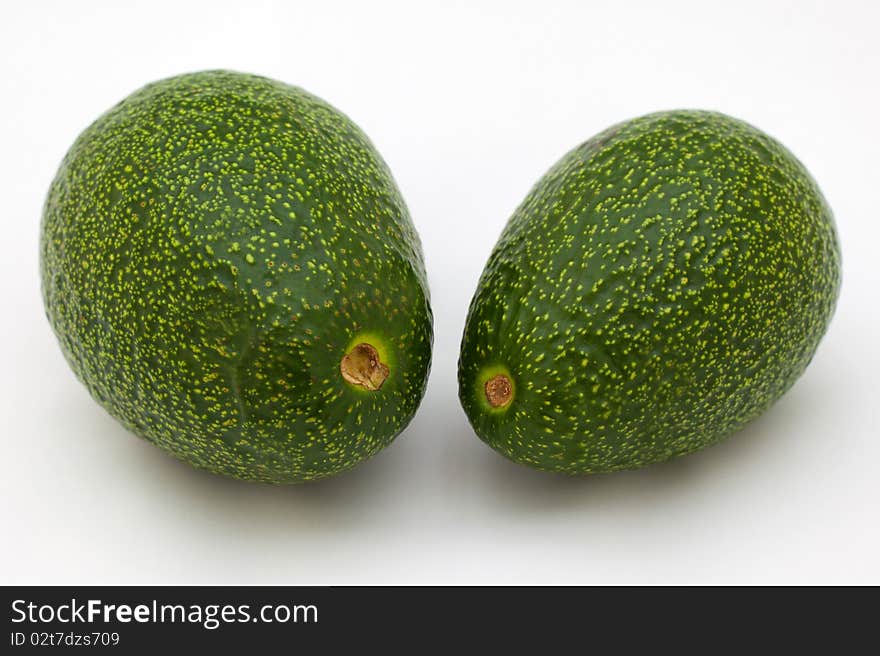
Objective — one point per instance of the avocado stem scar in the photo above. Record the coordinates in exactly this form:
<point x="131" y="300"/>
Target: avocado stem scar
<point x="362" y="367"/>
<point x="499" y="391"/>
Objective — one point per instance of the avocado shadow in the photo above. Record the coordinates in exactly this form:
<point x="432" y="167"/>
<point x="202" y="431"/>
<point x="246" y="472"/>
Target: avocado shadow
<point x="516" y="489"/>
<point x="437" y="465"/>
<point x="200" y="499"/>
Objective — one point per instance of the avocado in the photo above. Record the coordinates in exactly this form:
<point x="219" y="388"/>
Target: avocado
<point x="231" y="271"/>
<point x="661" y="286"/>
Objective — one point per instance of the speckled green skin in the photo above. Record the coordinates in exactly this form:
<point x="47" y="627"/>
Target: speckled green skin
<point x="662" y="285"/>
<point x="211" y="248"/>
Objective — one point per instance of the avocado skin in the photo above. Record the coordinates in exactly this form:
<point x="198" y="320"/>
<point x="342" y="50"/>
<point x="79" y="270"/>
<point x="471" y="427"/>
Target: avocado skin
<point x="660" y="287"/>
<point x="211" y="248"/>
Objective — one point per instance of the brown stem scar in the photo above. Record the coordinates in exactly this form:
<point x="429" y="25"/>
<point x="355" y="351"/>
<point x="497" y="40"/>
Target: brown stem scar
<point x="362" y="367"/>
<point x="499" y="391"/>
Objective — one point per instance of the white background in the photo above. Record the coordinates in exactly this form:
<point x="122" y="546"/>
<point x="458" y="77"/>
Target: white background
<point x="469" y="104"/>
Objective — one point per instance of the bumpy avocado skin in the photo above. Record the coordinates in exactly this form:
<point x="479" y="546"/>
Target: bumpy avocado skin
<point x="661" y="286"/>
<point x="212" y="247"/>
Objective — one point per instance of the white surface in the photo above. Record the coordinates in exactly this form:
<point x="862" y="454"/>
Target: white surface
<point x="469" y="106"/>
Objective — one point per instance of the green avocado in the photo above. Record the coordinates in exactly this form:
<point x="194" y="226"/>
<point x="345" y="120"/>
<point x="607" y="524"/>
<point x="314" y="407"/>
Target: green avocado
<point x="231" y="271"/>
<point x="661" y="286"/>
